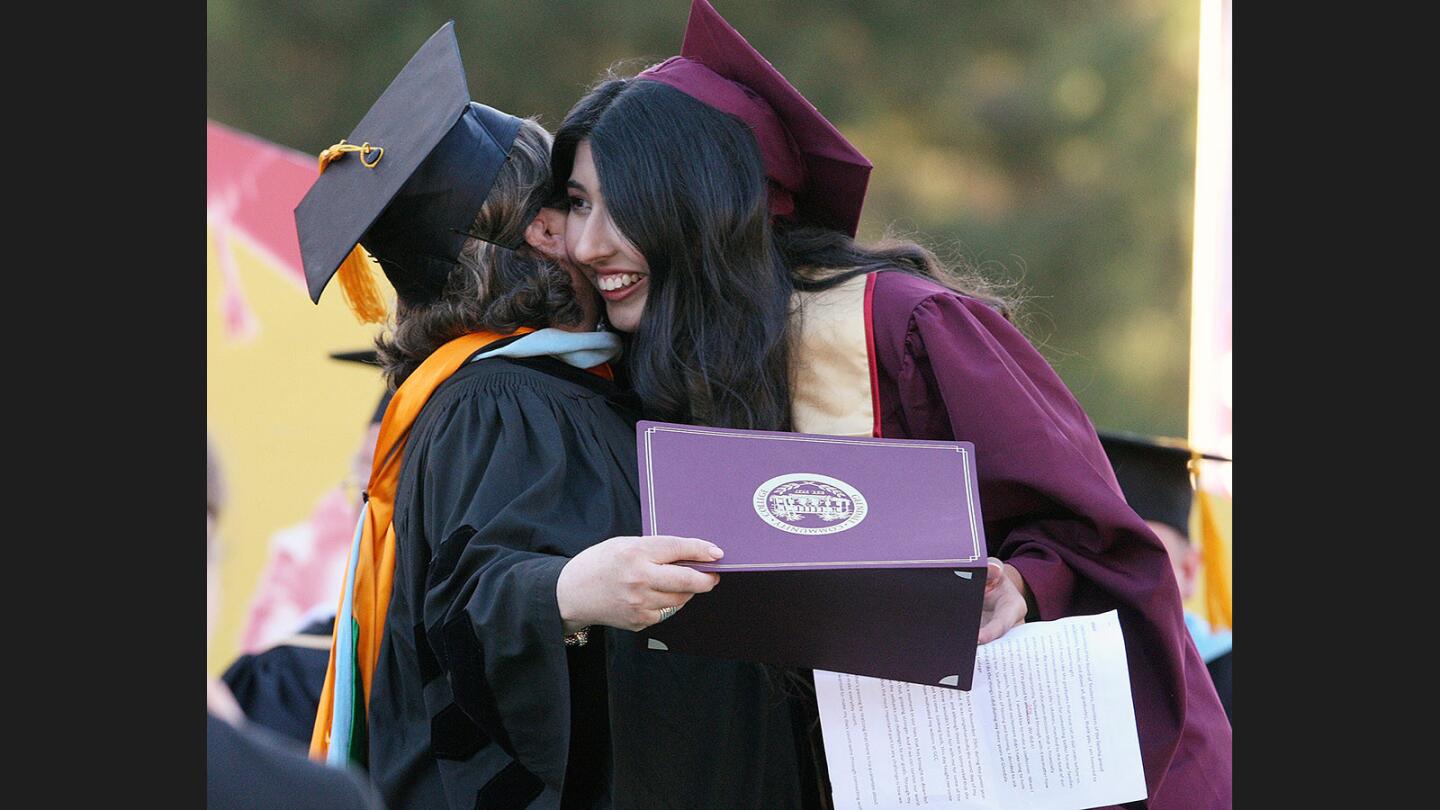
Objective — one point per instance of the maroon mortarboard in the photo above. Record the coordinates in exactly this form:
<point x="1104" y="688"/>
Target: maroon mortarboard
<point x="815" y="175"/>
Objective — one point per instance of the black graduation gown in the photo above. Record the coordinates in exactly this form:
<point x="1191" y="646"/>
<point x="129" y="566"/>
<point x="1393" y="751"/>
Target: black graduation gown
<point x="512" y="467"/>
<point x="252" y="768"/>
<point x="695" y="732"/>
<point x="279" y="688"/>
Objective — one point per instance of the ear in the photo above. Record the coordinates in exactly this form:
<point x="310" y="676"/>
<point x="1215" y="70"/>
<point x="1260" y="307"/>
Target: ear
<point x="546" y="232"/>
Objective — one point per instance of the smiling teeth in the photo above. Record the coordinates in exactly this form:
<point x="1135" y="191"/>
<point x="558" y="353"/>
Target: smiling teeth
<point x="617" y="281"/>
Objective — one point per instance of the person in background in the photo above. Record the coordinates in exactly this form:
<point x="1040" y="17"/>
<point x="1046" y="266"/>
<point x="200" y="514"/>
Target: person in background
<point x="247" y="766"/>
<point x="1155" y="475"/>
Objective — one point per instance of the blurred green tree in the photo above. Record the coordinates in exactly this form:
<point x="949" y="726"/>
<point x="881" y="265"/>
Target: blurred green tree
<point x="1051" y="144"/>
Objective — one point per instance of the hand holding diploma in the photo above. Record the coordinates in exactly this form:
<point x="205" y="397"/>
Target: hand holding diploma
<point x="1006" y="600"/>
<point x="625" y="582"/>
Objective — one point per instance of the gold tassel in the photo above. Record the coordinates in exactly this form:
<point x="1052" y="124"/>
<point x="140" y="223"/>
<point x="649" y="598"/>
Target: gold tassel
<point x="357" y="272"/>
<point x="1214" y="554"/>
<point x="357" y="282"/>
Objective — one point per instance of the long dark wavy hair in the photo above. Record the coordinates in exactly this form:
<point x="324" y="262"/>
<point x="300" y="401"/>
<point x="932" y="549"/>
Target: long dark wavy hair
<point x="685" y="184"/>
<point x="491" y="288"/>
<point x="711" y="344"/>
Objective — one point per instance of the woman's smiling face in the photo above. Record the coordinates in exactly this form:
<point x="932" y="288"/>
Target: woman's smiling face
<point x="595" y="244"/>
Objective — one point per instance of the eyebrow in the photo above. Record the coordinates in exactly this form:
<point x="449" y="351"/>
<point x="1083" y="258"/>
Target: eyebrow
<point x="577" y="185"/>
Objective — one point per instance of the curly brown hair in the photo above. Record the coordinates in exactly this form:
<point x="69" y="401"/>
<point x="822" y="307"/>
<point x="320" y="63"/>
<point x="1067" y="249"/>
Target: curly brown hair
<point x="491" y="288"/>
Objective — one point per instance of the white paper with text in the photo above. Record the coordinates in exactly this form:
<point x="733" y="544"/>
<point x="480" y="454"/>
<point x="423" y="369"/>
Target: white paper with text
<point x="1047" y="725"/>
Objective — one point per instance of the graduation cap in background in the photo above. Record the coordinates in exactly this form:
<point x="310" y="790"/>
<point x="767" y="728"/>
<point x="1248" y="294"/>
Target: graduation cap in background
<point x="406" y="184"/>
<point x="1154" y="474"/>
<point x="1157" y="476"/>
<point x="816" y="175"/>
<point x="367" y="357"/>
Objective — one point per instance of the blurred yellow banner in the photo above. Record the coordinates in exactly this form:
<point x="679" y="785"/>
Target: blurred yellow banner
<point x="286" y="419"/>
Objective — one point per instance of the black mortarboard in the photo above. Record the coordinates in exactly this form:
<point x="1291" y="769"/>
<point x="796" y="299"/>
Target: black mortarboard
<point x="1154" y="474"/>
<point x="411" y="205"/>
<point x="371" y="358"/>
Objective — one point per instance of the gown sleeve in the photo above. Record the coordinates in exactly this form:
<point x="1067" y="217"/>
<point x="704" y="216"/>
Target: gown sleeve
<point x="279" y="688"/>
<point x="514" y="482"/>
<point x="1051" y="505"/>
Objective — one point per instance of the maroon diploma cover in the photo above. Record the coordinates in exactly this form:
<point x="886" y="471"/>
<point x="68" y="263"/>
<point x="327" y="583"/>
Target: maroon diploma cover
<point x="847" y="554"/>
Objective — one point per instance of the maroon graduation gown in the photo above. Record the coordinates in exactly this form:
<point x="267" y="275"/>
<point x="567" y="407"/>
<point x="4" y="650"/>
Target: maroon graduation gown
<point x="944" y="366"/>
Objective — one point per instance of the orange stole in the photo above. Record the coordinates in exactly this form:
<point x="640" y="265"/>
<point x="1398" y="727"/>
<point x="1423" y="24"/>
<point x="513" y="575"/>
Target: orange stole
<point x="375" y="568"/>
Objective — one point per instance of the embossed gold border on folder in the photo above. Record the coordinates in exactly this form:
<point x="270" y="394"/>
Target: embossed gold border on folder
<point x="969" y="492"/>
